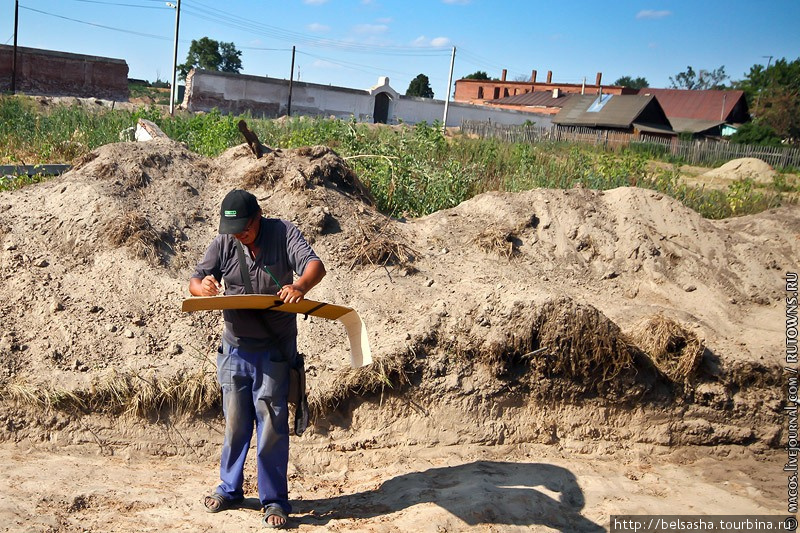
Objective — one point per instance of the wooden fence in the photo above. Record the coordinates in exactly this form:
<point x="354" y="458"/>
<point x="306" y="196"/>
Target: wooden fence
<point x="694" y="152"/>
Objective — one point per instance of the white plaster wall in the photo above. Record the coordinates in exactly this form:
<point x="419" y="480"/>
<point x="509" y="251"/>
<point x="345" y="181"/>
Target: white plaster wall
<point x="323" y="100"/>
<point x="412" y="110"/>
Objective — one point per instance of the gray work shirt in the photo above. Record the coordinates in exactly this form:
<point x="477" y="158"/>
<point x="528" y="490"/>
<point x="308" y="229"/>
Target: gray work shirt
<point x="282" y="250"/>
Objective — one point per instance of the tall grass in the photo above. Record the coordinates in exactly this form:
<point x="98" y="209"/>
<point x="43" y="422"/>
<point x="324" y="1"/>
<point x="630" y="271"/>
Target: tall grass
<point x="411" y="171"/>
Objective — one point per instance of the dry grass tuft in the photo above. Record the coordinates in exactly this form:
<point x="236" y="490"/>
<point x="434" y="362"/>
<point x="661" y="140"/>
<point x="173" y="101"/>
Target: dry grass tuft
<point x="390" y="372"/>
<point x="500" y="242"/>
<point x="131" y="394"/>
<point x="134" y="231"/>
<point x="675" y="351"/>
<point x="84" y="160"/>
<point x="581" y="342"/>
<point x="380" y="246"/>
<point x="258" y="175"/>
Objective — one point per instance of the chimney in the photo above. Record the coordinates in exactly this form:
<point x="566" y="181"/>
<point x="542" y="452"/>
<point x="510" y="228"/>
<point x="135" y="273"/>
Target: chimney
<point x="556" y="92"/>
<point x="599" y="77"/>
<point x="533" y="76"/>
<point x="549" y="76"/>
<point x="503" y="77"/>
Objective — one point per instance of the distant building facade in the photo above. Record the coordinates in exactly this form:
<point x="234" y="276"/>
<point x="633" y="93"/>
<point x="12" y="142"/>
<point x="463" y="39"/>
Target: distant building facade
<point x="53" y="73"/>
<point x="708" y="112"/>
<point x="269" y="97"/>
<point x="491" y="92"/>
<point x="627" y="113"/>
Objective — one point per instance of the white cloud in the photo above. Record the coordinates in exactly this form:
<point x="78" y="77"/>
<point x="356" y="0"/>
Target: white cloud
<point x="319" y="63"/>
<point x="371" y="28"/>
<point x="436" y="41"/>
<point x="652" y="14"/>
<point x="317" y="27"/>
<point x="314" y="2"/>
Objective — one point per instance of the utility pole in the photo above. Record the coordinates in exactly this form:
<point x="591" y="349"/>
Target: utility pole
<point x="760" y="90"/>
<point x="449" y="84"/>
<point x="291" y="79"/>
<point x="173" y="88"/>
<point x="14" y="65"/>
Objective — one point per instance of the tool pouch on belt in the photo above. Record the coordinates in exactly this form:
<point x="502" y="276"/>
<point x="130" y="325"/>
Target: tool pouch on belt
<point x="297" y="394"/>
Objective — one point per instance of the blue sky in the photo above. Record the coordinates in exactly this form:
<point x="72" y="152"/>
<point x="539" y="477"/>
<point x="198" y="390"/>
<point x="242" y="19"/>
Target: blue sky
<point x="351" y="43"/>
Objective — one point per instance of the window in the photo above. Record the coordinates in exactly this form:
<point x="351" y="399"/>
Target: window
<point x="598" y="104"/>
<point x="480" y="92"/>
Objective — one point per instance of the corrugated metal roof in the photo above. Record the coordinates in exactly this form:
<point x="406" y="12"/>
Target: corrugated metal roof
<point x="693" y="125"/>
<point x="702" y="105"/>
<point x="537" y="99"/>
<point x="620" y="111"/>
<point x="653" y="128"/>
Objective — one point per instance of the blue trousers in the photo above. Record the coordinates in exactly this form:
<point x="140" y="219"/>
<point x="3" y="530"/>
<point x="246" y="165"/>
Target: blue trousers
<point x="255" y="387"/>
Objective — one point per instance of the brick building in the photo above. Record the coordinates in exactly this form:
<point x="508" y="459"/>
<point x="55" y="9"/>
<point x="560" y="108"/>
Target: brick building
<point x="483" y="92"/>
<point x="54" y="73"/>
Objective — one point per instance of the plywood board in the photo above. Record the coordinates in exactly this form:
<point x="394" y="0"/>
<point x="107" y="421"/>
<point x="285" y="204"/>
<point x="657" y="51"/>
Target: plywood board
<point x="360" y="352"/>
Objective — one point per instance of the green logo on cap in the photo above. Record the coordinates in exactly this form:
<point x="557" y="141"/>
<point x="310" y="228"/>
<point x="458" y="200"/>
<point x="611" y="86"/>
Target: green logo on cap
<point x="231" y="213"/>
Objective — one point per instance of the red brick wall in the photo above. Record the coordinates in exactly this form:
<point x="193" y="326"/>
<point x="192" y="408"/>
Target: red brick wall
<point x="467" y="90"/>
<point x="63" y="74"/>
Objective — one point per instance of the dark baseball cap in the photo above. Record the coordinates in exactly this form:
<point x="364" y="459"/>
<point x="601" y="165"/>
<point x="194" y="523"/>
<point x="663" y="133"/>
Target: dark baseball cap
<point x="237" y="209"/>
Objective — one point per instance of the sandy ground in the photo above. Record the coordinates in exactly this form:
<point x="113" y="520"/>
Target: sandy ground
<point x="518" y="384"/>
<point x="525" y="487"/>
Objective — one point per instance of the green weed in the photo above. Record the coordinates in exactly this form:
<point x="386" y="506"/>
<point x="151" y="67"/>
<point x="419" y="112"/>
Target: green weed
<point x="411" y="171"/>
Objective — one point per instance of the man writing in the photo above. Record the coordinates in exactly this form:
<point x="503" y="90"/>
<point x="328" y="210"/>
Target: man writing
<point x="258" y="347"/>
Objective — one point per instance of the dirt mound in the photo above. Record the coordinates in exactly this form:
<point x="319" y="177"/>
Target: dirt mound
<point x="478" y="315"/>
<point x="744" y="168"/>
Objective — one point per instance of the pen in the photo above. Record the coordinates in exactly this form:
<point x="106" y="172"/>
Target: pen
<point x="278" y="283"/>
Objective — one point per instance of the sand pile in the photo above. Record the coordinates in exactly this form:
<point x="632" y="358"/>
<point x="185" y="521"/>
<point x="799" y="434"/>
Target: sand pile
<point x="543" y="360"/>
<point x="744" y="168"/>
<point x="478" y="315"/>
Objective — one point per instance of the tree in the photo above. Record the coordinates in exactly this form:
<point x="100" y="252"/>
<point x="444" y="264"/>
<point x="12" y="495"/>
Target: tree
<point x="773" y="95"/>
<point x="633" y="83"/>
<point x="231" y="58"/>
<point x="782" y="73"/>
<point x="477" y="75"/>
<point x="700" y="81"/>
<point x="211" y="55"/>
<point x="756" y="133"/>
<point x="779" y="108"/>
<point x="420" y="86"/>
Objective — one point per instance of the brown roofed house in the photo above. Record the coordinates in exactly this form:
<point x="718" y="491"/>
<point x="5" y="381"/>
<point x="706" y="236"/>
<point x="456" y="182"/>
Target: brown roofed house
<point x="621" y="112"/>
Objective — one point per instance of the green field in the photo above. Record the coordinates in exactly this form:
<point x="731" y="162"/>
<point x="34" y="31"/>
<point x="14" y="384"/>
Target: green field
<point x="411" y="171"/>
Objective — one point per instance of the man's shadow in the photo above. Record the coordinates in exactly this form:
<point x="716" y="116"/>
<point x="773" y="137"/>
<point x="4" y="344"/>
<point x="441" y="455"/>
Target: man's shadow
<point x="483" y="492"/>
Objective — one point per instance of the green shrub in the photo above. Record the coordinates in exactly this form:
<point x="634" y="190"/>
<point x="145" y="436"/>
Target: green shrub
<point x="756" y="133"/>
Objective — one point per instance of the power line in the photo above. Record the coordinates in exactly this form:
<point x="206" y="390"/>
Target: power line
<point x="140" y="34"/>
<point x="205" y="12"/>
<point x="120" y="4"/>
<point x="354" y="66"/>
<point x="346" y="64"/>
<point x="478" y="61"/>
<point x="258" y="48"/>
